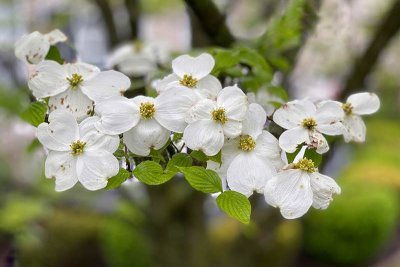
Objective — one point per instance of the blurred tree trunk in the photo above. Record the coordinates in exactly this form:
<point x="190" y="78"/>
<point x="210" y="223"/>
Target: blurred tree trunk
<point x="211" y="21"/>
<point x="111" y="29"/>
<point x="363" y="66"/>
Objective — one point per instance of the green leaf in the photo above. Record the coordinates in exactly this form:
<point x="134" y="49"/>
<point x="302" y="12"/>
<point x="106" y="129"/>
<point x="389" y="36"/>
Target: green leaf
<point x="118" y="179"/>
<point x="217" y="158"/>
<point x="35" y="144"/>
<point x="54" y="55"/>
<point x="151" y="173"/>
<point x="156" y="155"/>
<point x="206" y="181"/>
<point x="314" y="156"/>
<point x="235" y="205"/>
<point x="279" y="92"/>
<point x="119" y="153"/>
<point x="224" y="59"/>
<point x="179" y="160"/>
<point x="199" y="155"/>
<point x="177" y="136"/>
<point x="35" y="113"/>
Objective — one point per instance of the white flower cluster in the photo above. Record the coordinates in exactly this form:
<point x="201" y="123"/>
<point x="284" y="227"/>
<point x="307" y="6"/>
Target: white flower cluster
<point x="88" y="112"/>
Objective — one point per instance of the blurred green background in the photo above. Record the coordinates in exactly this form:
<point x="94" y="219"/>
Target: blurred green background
<point x="315" y="48"/>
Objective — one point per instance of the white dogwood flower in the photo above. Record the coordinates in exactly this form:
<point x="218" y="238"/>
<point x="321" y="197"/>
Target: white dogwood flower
<point x="210" y="121"/>
<point x="306" y="123"/>
<point x="145" y="122"/>
<point x="355" y="106"/>
<point x="33" y="48"/>
<point x="138" y="59"/>
<point x="77" y="152"/>
<point x="251" y="159"/>
<point x="192" y="73"/>
<point x="265" y="99"/>
<point x="298" y="187"/>
<point x="75" y="87"/>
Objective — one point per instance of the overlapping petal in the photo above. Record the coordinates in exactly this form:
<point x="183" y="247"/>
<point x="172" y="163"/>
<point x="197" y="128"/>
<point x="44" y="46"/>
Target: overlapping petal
<point x="199" y="67"/>
<point x="117" y="115"/>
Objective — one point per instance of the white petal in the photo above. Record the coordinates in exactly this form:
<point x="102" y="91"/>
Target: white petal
<point x="215" y="166"/>
<point x="328" y="118"/>
<point x="234" y="101"/>
<point x="232" y="128"/>
<point x="290" y="139"/>
<point x="72" y="101"/>
<point x="267" y="146"/>
<point x="168" y="82"/>
<point x="291" y="114"/>
<point x="254" y="121"/>
<point x="204" y="135"/>
<point x="364" y="103"/>
<point x="199" y="67"/>
<point x="56" y="36"/>
<point x="201" y="111"/>
<point x="49" y="79"/>
<point x="117" y="115"/>
<point x="62" y="167"/>
<point x="32" y="48"/>
<point x="290" y="191"/>
<point x="323" y="188"/>
<point x="146" y="135"/>
<point x="172" y="108"/>
<point x="248" y="173"/>
<point x="143" y="99"/>
<point x="60" y="132"/>
<point x="329" y="112"/>
<point x="106" y="84"/>
<point x="209" y="87"/>
<point x="318" y="141"/>
<point x="95" y="140"/>
<point x="355" y="129"/>
<point x="95" y="167"/>
<point x="87" y="71"/>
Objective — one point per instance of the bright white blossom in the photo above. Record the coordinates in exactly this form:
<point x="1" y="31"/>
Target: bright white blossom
<point x="265" y="99"/>
<point x="138" y="59"/>
<point x="145" y="121"/>
<point x="355" y="106"/>
<point x="192" y="73"/>
<point x="33" y="48"/>
<point x="211" y="121"/>
<point x="306" y="123"/>
<point x="77" y="152"/>
<point x="298" y="187"/>
<point x="251" y="159"/>
<point x="75" y="87"/>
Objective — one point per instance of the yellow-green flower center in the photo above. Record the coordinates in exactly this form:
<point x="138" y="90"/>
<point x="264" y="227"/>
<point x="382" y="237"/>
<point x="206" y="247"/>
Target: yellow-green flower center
<point x="219" y="115"/>
<point x="147" y="110"/>
<point x="247" y="143"/>
<point x="347" y="108"/>
<point x="75" y="80"/>
<point x="309" y="123"/>
<point x="77" y="147"/>
<point x="138" y="46"/>
<point x="305" y="164"/>
<point x="188" y="81"/>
